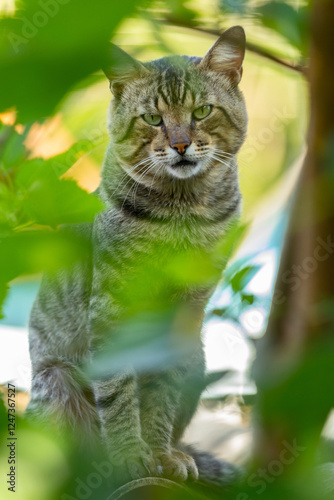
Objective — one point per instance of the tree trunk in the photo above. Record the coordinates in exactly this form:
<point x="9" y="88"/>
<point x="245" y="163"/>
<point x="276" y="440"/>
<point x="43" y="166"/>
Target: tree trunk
<point x="301" y="323"/>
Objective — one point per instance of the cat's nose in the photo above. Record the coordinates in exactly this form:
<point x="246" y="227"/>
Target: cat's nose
<point x="181" y="147"/>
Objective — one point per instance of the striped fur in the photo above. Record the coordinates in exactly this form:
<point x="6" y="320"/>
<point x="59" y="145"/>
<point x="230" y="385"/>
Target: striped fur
<point x="160" y="220"/>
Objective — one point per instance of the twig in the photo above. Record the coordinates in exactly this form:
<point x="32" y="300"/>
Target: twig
<point x="299" y="68"/>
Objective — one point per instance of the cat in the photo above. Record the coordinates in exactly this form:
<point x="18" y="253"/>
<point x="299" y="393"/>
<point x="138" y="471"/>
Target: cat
<point x="170" y="187"/>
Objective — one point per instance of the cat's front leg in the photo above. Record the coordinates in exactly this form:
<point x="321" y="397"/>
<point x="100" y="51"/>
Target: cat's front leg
<point x="159" y="399"/>
<point x="118" y="408"/>
<point x="117" y="401"/>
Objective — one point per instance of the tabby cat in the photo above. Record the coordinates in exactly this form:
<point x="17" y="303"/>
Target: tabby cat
<point x="170" y="188"/>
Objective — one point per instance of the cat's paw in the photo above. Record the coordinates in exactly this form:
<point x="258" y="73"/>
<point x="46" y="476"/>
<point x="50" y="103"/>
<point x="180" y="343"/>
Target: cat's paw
<point x="189" y="462"/>
<point x="134" y="462"/>
<point x="177" y="465"/>
<point x="142" y="465"/>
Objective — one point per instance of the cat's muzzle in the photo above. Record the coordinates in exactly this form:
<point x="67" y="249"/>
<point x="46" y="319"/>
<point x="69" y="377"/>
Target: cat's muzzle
<point x="183" y="168"/>
<point x="184" y="163"/>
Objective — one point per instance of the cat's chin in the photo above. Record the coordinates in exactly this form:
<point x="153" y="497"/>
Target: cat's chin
<point x="184" y="169"/>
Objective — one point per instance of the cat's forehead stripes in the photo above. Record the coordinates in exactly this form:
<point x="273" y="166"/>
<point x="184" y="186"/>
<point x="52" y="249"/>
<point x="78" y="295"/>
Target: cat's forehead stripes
<point x="176" y="82"/>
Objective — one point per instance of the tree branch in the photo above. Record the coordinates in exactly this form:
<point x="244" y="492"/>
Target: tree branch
<point x="299" y="68"/>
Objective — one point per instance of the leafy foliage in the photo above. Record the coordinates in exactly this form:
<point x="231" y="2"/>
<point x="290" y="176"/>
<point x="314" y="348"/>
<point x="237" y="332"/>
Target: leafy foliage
<point x="288" y="21"/>
<point x="49" y="49"/>
<point x="33" y="192"/>
<point x="236" y="280"/>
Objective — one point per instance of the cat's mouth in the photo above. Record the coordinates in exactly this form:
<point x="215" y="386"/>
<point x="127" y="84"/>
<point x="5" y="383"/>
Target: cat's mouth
<point x="184" y="163"/>
<point x="183" y="169"/>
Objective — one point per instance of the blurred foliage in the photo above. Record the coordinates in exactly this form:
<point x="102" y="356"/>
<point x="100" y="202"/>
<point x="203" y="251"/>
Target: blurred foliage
<point x="288" y="21"/>
<point x="48" y="46"/>
<point x="51" y="55"/>
<point x="236" y="280"/>
<point x="33" y="193"/>
<point x="157" y="331"/>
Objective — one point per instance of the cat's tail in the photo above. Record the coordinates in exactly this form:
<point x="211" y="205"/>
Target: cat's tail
<point x="214" y="473"/>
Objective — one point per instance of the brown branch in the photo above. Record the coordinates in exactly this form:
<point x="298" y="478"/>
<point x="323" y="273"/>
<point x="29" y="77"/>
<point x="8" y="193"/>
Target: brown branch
<point x="301" y="323"/>
<point x="299" y="68"/>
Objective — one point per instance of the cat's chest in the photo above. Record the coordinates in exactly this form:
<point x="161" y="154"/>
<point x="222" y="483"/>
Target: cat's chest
<point x="152" y="259"/>
<point x="117" y="233"/>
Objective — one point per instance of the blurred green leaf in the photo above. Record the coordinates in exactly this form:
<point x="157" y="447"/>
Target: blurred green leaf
<point x="231" y="240"/>
<point x="220" y="311"/>
<point x="33" y="251"/>
<point x="288" y="21"/>
<point x="3" y="414"/>
<point x="55" y="166"/>
<point x="249" y="298"/>
<point x="14" y="151"/>
<point x="9" y="208"/>
<point x="180" y="10"/>
<point x="3" y="293"/>
<point x="53" y="202"/>
<point x="301" y="399"/>
<point x="192" y="268"/>
<point x="29" y="252"/>
<point x="49" y="46"/>
<point x="243" y="277"/>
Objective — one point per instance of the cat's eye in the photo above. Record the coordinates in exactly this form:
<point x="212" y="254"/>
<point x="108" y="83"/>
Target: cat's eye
<point x="202" y="112"/>
<point x="152" y="119"/>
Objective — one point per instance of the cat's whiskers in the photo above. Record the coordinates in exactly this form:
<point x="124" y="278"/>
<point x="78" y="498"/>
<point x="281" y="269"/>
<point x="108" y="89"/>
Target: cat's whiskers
<point x="160" y="167"/>
<point x="227" y="162"/>
<point x="151" y="166"/>
<point x="147" y="162"/>
<point x="235" y="167"/>
<point x="231" y="166"/>
<point x="241" y="162"/>
<point x="227" y="156"/>
<point x="223" y="162"/>
<point x="127" y="174"/>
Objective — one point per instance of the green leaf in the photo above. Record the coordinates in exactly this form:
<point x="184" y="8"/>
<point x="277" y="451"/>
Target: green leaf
<point x="287" y="21"/>
<point x="231" y="241"/>
<point x="52" y="168"/>
<point x="192" y="268"/>
<point x="10" y="207"/>
<point x="53" y="201"/>
<point x="14" y="151"/>
<point x="48" y="47"/>
<point x="243" y="277"/>
<point x="300" y="399"/>
<point x="3" y="293"/>
<point x="248" y="298"/>
<point x="64" y="161"/>
<point x="57" y="202"/>
<point x="30" y="252"/>
<point x="219" y="311"/>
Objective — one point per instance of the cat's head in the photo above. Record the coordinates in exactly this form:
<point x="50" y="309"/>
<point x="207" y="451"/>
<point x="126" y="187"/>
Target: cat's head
<point x="179" y="116"/>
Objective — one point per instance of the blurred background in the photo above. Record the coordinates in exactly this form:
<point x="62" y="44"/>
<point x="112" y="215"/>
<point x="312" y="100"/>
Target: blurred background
<point x="53" y="105"/>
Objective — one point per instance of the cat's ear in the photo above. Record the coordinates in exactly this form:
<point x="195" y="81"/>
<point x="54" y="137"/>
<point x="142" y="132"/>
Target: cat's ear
<point x="227" y="54"/>
<point x="120" y="68"/>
